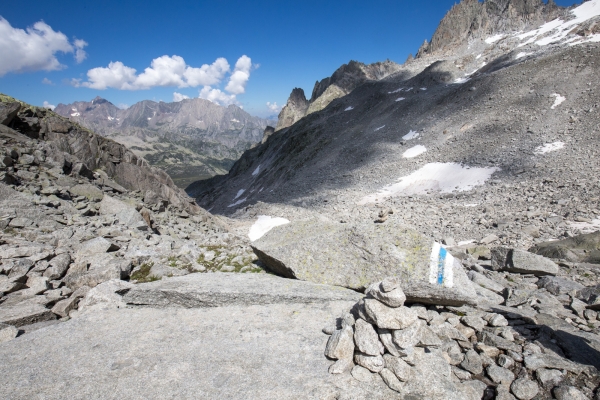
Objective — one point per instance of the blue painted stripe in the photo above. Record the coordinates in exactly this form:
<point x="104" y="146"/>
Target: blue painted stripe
<point x="441" y="265"/>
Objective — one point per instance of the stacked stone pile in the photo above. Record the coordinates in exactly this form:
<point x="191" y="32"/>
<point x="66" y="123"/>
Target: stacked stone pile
<point x="452" y="352"/>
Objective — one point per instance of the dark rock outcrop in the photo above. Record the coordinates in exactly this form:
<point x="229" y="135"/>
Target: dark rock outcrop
<point x="76" y="150"/>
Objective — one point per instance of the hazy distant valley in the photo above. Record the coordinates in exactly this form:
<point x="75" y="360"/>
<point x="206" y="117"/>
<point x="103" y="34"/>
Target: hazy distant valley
<point x="190" y="140"/>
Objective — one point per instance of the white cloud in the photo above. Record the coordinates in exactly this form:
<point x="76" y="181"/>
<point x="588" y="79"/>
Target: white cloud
<point x="116" y="75"/>
<point x="47" y="81"/>
<point x="164" y="71"/>
<point x="80" y="54"/>
<point x="207" y="75"/>
<point x="240" y="76"/>
<point x="178" y="97"/>
<point x="169" y="71"/>
<point x="273" y="107"/>
<point x="35" y="48"/>
<point x="217" y="96"/>
<point x="123" y="106"/>
<point x="49" y="106"/>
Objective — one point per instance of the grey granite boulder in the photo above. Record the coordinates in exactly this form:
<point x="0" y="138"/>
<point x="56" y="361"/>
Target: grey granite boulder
<point x="125" y="213"/>
<point x="520" y="261"/>
<point x="581" y="248"/>
<point x="354" y="256"/>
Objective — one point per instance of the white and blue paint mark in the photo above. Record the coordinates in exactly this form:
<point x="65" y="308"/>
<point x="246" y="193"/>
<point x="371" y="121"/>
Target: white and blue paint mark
<point x="441" y="264"/>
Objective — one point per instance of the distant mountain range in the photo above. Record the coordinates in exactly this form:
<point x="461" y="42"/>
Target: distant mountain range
<point x="190" y="140"/>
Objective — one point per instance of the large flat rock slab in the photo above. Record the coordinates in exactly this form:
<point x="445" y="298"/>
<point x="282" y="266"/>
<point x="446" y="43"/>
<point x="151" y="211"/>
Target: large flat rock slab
<point x="220" y="289"/>
<point x="356" y="255"/>
<point x="240" y="351"/>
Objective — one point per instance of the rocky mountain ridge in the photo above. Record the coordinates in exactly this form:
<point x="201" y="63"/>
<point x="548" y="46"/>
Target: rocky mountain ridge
<point x="190" y="140"/>
<point x="344" y="80"/>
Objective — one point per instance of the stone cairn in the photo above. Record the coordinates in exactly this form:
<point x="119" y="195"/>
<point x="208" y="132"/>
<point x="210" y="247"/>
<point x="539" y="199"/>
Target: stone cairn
<point x="382" y="336"/>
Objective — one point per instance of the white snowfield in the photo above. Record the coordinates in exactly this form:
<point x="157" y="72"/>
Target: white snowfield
<point x="349" y="108"/>
<point x="414" y="151"/>
<point x="434" y="177"/>
<point x="396" y="91"/>
<point x="264" y="224"/>
<point x="522" y="54"/>
<point x="381" y="127"/>
<point x="75" y="114"/>
<point x="548" y="147"/>
<point x="558" y="30"/>
<point x="559" y="100"/>
<point x="411" y="135"/>
<point x="400" y="99"/>
<point x="256" y="171"/>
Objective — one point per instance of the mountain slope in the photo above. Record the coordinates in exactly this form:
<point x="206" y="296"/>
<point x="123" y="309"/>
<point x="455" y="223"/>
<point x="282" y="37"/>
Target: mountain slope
<point x="522" y="121"/>
<point x="192" y="139"/>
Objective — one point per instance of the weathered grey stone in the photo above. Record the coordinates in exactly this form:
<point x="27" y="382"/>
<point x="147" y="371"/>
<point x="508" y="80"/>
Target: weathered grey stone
<point x="505" y="361"/>
<point x="22" y="251"/>
<point x="7" y="332"/>
<point x="372" y="363"/>
<point x="521" y="261"/>
<point x="503" y="393"/>
<point x="390" y="379"/>
<point x="126" y="214"/>
<point x="575" y="249"/>
<point x="389" y="318"/>
<point x="344" y="255"/>
<point x="489" y="351"/>
<point x="362" y="374"/>
<point x="472" y="362"/>
<point x="486" y="282"/>
<point x="408" y="337"/>
<point x="10" y="287"/>
<point x="549" y="378"/>
<point x="213" y="290"/>
<point x="524" y="389"/>
<point x="427" y="338"/>
<point x="392" y="298"/>
<point x="64" y="307"/>
<point x="386" y="338"/>
<point x="500" y="375"/>
<point x="341" y="344"/>
<point x="36" y="285"/>
<point x="91" y="192"/>
<point x="366" y="338"/>
<point x="95" y="246"/>
<point x="58" y="266"/>
<point x="25" y="313"/>
<point x="8" y="110"/>
<point x="497" y="320"/>
<point x="476" y="323"/>
<point x="497" y="341"/>
<point x="537" y="361"/>
<point x="341" y="366"/>
<point x="18" y="267"/>
<point x="568" y="393"/>
<point x="399" y="367"/>
<point x="558" y="285"/>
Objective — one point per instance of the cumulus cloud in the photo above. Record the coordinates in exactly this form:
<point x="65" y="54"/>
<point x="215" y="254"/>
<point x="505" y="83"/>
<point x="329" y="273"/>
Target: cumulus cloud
<point x="173" y="71"/>
<point x="49" y="106"/>
<point x="47" y="81"/>
<point x="273" y="107"/>
<point x="207" y="75"/>
<point x="240" y="76"/>
<point x="123" y="106"/>
<point x="217" y="96"/>
<point x="163" y="71"/>
<point x="80" y="54"/>
<point x="35" y="48"/>
<point x="178" y="97"/>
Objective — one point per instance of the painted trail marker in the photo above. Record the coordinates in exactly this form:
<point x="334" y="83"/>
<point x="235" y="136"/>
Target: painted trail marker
<point x="441" y="266"/>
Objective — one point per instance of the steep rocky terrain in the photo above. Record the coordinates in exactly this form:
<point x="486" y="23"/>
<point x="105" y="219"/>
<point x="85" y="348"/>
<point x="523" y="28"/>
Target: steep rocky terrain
<point x="190" y="140"/>
<point x="343" y="81"/>
<point x="435" y="233"/>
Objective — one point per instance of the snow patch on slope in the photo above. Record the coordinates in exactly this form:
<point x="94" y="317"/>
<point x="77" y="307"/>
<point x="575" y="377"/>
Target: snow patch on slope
<point x="411" y="135"/>
<point x="349" y="108"/>
<point x="549" y="147"/>
<point x="414" y="151"/>
<point x="264" y="224"/>
<point x="434" y="177"/>
<point x="558" y="101"/>
<point x="256" y="171"/>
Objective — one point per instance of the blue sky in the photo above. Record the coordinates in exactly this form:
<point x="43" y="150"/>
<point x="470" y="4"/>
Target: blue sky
<point x="286" y="44"/>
